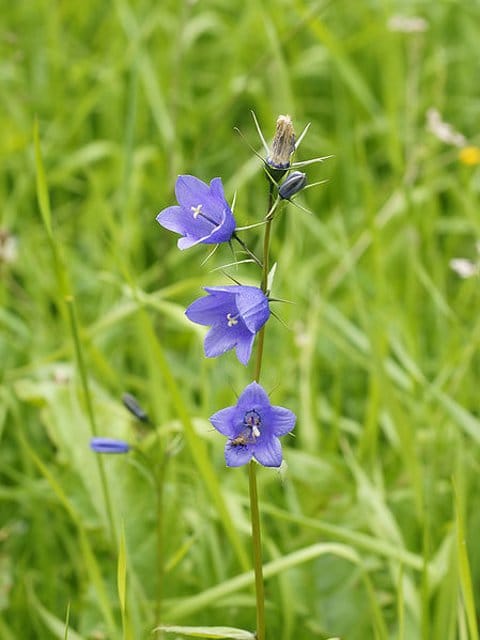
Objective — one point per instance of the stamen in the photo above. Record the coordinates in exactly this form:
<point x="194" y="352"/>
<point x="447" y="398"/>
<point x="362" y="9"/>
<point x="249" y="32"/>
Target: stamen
<point x="253" y="420"/>
<point x="232" y="320"/>
<point x="196" y="210"/>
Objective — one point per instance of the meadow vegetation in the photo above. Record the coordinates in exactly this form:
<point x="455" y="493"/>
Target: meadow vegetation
<point x="371" y="529"/>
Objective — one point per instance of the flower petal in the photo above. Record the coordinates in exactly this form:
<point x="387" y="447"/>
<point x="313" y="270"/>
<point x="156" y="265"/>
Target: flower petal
<point x="253" y="307"/>
<point x="255" y="397"/>
<point x="244" y="348"/>
<point x="224" y="421"/>
<point x="191" y="191"/>
<point x="268" y="451"/>
<point x="217" y="192"/>
<point x="236" y="456"/>
<point x="173" y="219"/>
<point x="180" y="220"/>
<point x="187" y="242"/>
<point x="223" y="232"/>
<point x="210" y="309"/>
<point x="221" y="339"/>
<point x="228" y="288"/>
<point x="283" y="420"/>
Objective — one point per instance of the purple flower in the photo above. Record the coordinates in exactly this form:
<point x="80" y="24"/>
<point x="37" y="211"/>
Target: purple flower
<point x="235" y="313"/>
<point x="252" y="427"/>
<point x="203" y="216"/>
<point x="109" y="445"/>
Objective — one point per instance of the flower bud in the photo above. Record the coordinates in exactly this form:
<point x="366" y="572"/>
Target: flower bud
<point x="130" y="403"/>
<point x="292" y="185"/>
<point x="109" y="445"/>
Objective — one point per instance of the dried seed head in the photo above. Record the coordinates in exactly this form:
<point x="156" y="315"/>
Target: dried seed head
<point x="283" y="144"/>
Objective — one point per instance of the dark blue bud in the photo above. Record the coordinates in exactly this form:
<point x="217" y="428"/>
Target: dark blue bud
<point x="130" y="403"/>
<point x="109" y="445"/>
<point x="292" y="185"/>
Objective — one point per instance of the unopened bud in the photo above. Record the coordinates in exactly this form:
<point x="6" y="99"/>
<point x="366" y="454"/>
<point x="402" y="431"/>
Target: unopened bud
<point x="292" y="185"/>
<point x="109" y="445"/>
<point x="130" y="403"/>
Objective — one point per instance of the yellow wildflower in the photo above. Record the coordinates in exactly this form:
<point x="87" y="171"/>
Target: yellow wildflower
<point x="469" y="155"/>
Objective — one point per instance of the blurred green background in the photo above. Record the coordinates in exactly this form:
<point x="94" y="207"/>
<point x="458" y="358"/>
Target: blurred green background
<point x="365" y="531"/>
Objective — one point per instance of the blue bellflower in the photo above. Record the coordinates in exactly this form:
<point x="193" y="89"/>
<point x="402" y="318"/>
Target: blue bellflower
<point x="253" y="427"/>
<point x="109" y="445"/>
<point x="235" y="313"/>
<point x="203" y="215"/>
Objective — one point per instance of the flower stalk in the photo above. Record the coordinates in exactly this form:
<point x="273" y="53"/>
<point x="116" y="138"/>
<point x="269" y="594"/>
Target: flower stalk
<point x="252" y="472"/>
<point x="257" y="550"/>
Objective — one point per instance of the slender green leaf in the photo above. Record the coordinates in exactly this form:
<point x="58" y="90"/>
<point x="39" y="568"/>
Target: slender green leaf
<point x="209" y="632"/>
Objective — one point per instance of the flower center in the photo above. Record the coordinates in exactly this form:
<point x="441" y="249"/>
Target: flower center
<point x="196" y="210"/>
<point x="252" y="421"/>
<point x="250" y="433"/>
<point x="232" y="320"/>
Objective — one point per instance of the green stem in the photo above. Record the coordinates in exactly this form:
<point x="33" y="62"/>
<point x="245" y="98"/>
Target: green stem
<point x="89" y="406"/>
<point x="265" y="269"/>
<point x="257" y="551"/>
<point x="252" y="478"/>
<point x="160" y="483"/>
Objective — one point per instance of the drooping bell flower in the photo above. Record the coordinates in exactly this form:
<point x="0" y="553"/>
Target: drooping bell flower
<point x="202" y="216"/>
<point x="235" y="314"/>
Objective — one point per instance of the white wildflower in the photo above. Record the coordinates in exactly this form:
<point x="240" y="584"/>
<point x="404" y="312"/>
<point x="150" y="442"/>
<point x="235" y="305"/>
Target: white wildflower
<point x="443" y="130"/>
<point x="8" y="247"/>
<point x="407" y="24"/>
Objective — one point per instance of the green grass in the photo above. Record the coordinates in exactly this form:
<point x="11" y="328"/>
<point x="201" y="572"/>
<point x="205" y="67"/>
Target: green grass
<point x="372" y="530"/>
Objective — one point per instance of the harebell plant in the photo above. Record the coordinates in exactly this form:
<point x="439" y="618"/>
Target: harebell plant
<point x="237" y="316"/>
